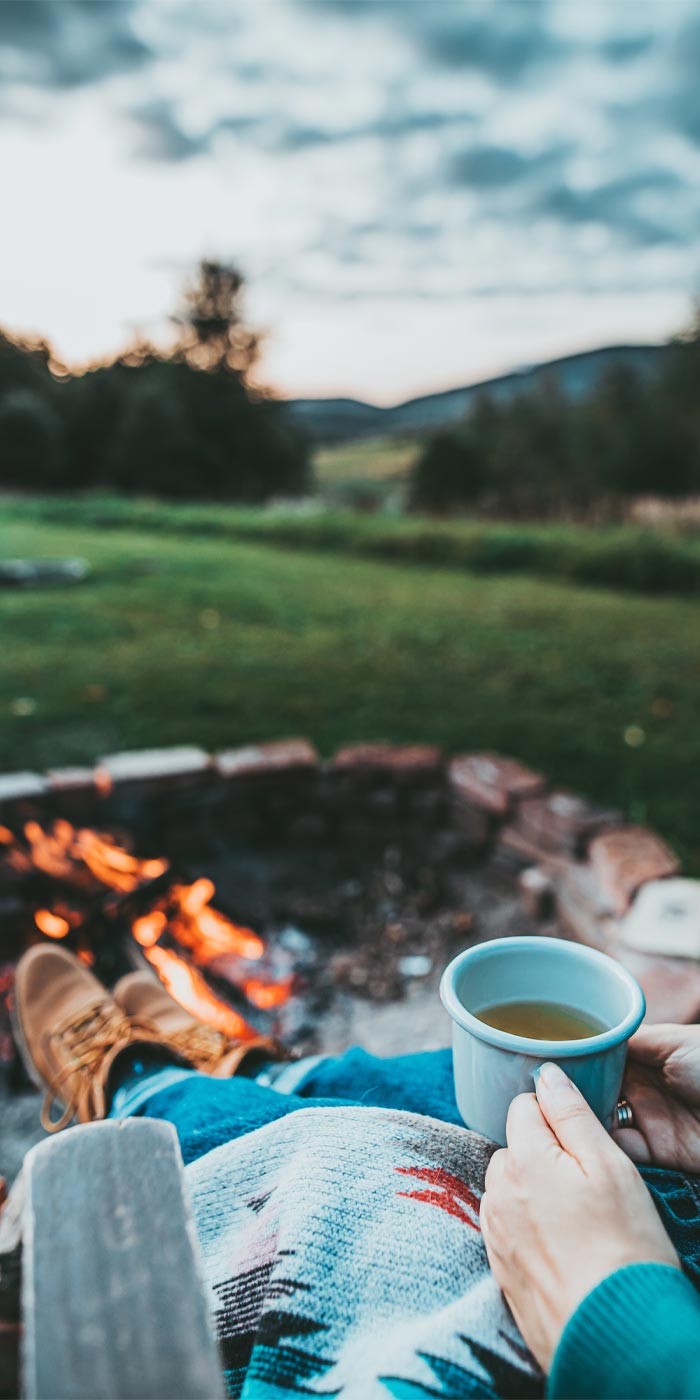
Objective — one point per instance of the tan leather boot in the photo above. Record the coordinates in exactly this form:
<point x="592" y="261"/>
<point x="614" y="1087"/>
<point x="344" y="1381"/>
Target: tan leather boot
<point x="69" y="1031"/>
<point x="144" y="999"/>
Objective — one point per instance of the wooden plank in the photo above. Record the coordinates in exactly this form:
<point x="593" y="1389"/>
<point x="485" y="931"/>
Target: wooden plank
<point x="114" y="1304"/>
<point x="10" y="1268"/>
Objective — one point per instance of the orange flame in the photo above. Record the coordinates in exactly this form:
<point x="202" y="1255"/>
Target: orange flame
<point x="113" y="865"/>
<point x="267" y="995"/>
<point x="148" y="928"/>
<point x="7" y="838"/>
<point x="204" y="931"/>
<point x="79" y="857"/>
<point x="51" y="924"/>
<point x="188" y="987"/>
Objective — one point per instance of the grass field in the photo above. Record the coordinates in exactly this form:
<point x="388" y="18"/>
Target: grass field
<point x="207" y="638"/>
<point x="383" y="462"/>
<point x="643" y="559"/>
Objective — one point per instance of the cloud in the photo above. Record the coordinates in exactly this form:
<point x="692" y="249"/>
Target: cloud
<point x="626" y="48"/>
<point x="617" y="204"/>
<point x="505" y="41"/>
<point x="67" y="43"/>
<point x="484" y="167"/>
<point x="684" y="97"/>
<point x="392" y="124"/>
<point x="160" y="134"/>
<point x="379" y="149"/>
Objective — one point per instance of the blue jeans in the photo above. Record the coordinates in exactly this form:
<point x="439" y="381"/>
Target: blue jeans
<point x="207" y="1112"/>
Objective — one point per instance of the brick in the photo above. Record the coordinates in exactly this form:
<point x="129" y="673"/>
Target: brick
<point x="582" y="906"/>
<point x="562" y="821"/>
<point x="514" y="848"/>
<point x="310" y="828"/>
<point x="152" y="768"/>
<point x="71" y="780"/>
<point x="20" y="787"/>
<point x="409" y="764"/>
<point x="472" y="823"/>
<point x="626" y="858"/>
<point x="665" y="919"/>
<point x="536" y="892"/>
<point x="671" y="986"/>
<point x="426" y="807"/>
<point x="291" y="757"/>
<point x="492" y="782"/>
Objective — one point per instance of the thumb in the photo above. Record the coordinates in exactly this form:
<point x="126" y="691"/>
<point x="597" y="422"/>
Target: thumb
<point x="573" y="1123"/>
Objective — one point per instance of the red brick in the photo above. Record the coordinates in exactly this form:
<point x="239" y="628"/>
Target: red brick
<point x="71" y="780"/>
<point x="492" y="782"/>
<point x="582" y="906"/>
<point x="625" y="858"/>
<point x="405" y="763"/>
<point x="291" y="757"/>
<point x="561" y="821"/>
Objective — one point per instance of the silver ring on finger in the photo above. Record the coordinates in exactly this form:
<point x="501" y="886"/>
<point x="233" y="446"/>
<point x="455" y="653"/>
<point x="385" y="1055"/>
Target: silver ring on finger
<point x="625" y="1114"/>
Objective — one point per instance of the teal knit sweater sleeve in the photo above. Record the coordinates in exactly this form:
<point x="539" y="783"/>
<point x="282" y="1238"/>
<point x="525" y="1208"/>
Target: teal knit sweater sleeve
<point x="636" y="1335"/>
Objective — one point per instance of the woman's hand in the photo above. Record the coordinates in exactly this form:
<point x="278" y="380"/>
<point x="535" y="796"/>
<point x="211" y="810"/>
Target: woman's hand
<point x="662" y="1085"/>
<point x="563" y="1207"/>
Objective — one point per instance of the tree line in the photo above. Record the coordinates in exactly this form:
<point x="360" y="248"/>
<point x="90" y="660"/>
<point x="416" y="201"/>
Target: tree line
<point x="545" y="454"/>
<point x="183" y="423"/>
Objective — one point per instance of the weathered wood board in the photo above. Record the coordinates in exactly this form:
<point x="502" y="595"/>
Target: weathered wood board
<point x="114" y="1306"/>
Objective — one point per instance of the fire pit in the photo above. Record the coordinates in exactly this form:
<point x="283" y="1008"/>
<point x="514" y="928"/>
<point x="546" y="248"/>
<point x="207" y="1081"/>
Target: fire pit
<point x="315" y="901"/>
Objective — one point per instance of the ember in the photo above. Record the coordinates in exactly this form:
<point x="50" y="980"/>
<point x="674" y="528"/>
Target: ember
<point x="86" y="884"/>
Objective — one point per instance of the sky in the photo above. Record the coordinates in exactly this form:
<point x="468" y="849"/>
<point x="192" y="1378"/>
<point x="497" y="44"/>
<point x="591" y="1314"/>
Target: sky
<point x="421" y="193"/>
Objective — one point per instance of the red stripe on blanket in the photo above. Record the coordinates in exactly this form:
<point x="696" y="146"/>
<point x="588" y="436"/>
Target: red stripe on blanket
<point x="452" y="1194"/>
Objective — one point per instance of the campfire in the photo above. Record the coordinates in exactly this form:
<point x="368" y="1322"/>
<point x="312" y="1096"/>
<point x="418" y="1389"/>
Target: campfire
<point x="89" y="889"/>
<point x="273" y="893"/>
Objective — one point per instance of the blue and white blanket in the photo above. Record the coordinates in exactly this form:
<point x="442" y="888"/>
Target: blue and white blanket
<point x="338" y="1216"/>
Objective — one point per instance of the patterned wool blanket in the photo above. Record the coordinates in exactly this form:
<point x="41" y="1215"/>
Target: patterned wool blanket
<point x="343" y="1253"/>
<point x="339" y="1219"/>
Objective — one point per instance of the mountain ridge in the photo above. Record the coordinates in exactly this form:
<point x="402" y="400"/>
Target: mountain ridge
<point x="344" y="418"/>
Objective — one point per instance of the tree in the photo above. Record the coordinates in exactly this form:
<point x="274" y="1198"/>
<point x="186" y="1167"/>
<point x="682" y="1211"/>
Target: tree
<point x="187" y="423"/>
<point x="449" y="472"/>
<point x="30" y="441"/>
<point x="154" y="448"/>
<point x="213" y="333"/>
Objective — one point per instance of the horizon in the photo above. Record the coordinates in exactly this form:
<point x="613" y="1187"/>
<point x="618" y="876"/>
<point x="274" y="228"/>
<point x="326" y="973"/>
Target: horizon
<point x="420" y="196"/>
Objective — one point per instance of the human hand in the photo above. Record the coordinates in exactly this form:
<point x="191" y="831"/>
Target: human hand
<point x="662" y="1086"/>
<point x="563" y="1208"/>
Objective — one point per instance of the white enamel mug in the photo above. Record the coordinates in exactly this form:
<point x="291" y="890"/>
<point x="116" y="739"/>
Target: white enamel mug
<point x="492" y="1066"/>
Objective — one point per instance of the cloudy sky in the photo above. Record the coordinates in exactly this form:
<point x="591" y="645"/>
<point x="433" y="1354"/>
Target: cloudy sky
<point x="421" y="192"/>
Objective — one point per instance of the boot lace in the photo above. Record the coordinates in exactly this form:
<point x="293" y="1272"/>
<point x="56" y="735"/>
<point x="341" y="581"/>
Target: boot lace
<point x="82" y="1040"/>
<point x="203" y="1045"/>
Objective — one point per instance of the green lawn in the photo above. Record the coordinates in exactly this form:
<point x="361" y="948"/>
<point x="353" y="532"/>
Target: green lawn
<point x="383" y="461"/>
<point x="642" y="559"/>
<point x="194" y="638"/>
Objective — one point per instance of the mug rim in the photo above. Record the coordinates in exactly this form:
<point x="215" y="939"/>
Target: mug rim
<point x="544" y="1049"/>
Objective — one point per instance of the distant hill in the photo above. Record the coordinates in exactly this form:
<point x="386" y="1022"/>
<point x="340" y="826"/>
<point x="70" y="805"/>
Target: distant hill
<point x="338" y="420"/>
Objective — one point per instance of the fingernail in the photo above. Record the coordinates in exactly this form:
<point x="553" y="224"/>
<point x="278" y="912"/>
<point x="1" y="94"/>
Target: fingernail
<point x="553" y="1078"/>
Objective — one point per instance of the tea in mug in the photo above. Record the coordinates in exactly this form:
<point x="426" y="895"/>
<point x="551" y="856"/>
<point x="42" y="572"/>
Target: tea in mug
<point x="541" y="1020"/>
